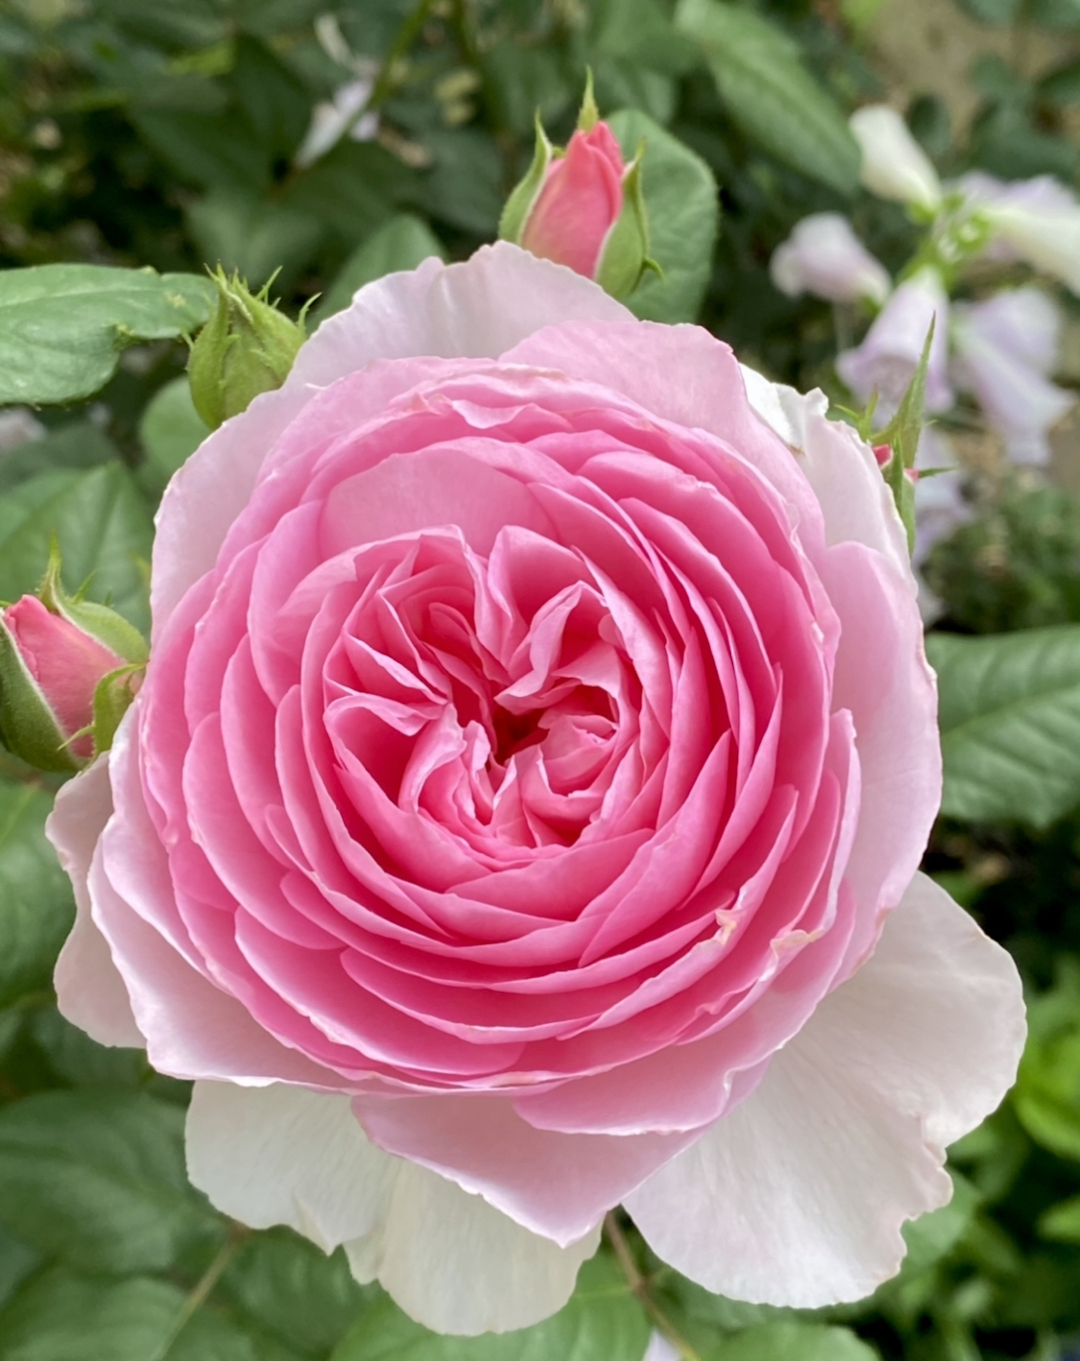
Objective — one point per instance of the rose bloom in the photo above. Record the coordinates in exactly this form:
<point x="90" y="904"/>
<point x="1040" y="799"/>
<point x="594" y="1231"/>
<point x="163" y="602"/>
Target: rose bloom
<point x="521" y="815"/>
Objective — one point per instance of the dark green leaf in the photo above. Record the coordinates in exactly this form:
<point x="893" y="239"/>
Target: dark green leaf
<point x="78" y="445"/>
<point x="62" y="327"/>
<point x="400" y="243"/>
<point x="683" y="209"/>
<point x="602" y="1322"/>
<point x="770" y="94"/>
<point x="102" y="523"/>
<point x="294" y="1291"/>
<point x="209" y="150"/>
<point x="253" y="236"/>
<point x="171" y="430"/>
<point x="96" y="1178"/>
<point x="36" y="908"/>
<point x="75" y="1057"/>
<point x="1010" y="723"/>
<point x="17" y="1261"/>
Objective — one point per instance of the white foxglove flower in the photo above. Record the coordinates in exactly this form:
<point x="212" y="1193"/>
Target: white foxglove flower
<point x="1005" y="349"/>
<point x="1036" y="220"/>
<point x="823" y="256"/>
<point x="894" y="165"/>
<point x="886" y="360"/>
<point x="331" y="119"/>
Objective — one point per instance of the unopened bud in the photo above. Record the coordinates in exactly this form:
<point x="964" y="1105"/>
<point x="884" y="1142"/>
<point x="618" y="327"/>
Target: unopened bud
<point x="247" y="347"/>
<point x="583" y="207"/>
<point x="68" y="670"/>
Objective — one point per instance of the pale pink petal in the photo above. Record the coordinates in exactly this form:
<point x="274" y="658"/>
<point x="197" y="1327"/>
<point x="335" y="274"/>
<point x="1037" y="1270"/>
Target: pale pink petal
<point x="913" y="1051"/>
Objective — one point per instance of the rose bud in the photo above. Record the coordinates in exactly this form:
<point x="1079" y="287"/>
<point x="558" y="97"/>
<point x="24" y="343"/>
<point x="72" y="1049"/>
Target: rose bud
<point x="1036" y="220"/>
<point x="66" y="675"/>
<point x="886" y="360"/>
<point x="1006" y="349"/>
<point x="247" y="347"/>
<point x="583" y="207"/>
<point x="823" y="256"/>
<point x="894" y="165"/>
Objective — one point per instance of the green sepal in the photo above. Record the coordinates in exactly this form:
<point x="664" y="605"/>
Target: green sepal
<point x="112" y="699"/>
<point x="109" y="628"/>
<point x="27" y="724"/>
<point x="902" y="435"/>
<point x="590" y="114"/>
<point x="522" y="200"/>
<point x="246" y="348"/>
<point x="625" y="254"/>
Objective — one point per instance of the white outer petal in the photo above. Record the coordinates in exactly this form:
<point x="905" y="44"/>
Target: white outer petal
<point x="797" y="1197"/>
<point x="89" y="989"/>
<point x="894" y="165"/>
<point x="855" y="502"/>
<point x="285" y="1155"/>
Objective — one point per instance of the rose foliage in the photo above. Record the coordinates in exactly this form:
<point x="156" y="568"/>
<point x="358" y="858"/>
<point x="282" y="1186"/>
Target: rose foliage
<point x="522" y="810"/>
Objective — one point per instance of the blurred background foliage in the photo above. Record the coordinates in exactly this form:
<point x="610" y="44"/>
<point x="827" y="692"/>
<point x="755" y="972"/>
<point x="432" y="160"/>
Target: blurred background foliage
<point x="179" y="133"/>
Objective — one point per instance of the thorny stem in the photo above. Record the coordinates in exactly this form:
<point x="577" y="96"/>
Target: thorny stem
<point x="203" y="1289"/>
<point x="639" y="1284"/>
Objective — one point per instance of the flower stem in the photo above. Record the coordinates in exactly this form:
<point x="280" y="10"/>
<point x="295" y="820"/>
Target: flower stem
<point x="203" y="1289"/>
<point x="639" y="1284"/>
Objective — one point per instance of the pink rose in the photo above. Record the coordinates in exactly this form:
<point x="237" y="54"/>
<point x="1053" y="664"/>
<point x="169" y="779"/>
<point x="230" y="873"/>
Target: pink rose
<point x="522" y="810"/>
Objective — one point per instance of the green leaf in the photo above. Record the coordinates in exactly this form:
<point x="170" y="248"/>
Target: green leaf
<point x="77" y="1059"/>
<point x="102" y="523"/>
<point x="1010" y="723"/>
<point x="1046" y="1098"/>
<point x="401" y="243"/>
<point x="1062" y="1222"/>
<point x="255" y="238"/>
<point x="17" y="1261"/>
<point x="60" y="1316"/>
<point x="76" y="445"/>
<point x="62" y="327"/>
<point x="795" y="1342"/>
<point x="171" y="430"/>
<point x="683" y="209"/>
<point x="293" y="1290"/>
<point x="770" y="94"/>
<point x="96" y="1178"/>
<point x="602" y="1322"/>
<point x="36" y="907"/>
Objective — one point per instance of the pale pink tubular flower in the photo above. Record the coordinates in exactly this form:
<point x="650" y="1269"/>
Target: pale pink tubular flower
<point x="823" y="256"/>
<point x="522" y="811"/>
<point x="1006" y="348"/>
<point x="886" y="360"/>
<point x="894" y="165"/>
<point x="1036" y="220"/>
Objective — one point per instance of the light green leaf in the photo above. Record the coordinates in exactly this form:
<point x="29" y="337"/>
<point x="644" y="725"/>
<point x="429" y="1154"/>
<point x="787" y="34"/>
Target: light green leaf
<point x="104" y="529"/>
<point x="683" y="208"/>
<point x="795" y="1342"/>
<point x="1010" y="723"/>
<point x="1046" y="1098"/>
<point x="96" y="1178"/>
<point x="62" y="327"/>
<point x="1062" y="1222"/>
<point x="171" y="430"/>
<point x="602" y="1322"/>
<point x="36" y="907"/>
<point x="75" y="445"/>
<point x="770" y="94"/>
<point x="401" y="243"/>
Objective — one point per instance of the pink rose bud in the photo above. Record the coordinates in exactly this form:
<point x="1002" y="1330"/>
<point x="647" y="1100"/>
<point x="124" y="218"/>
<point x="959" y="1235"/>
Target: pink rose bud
<point x="55" y="652"/>
<point x="583" y="207"/>
<point x="823" y="256"/>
